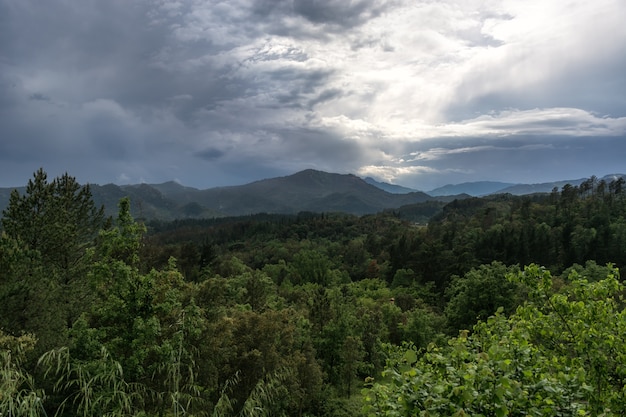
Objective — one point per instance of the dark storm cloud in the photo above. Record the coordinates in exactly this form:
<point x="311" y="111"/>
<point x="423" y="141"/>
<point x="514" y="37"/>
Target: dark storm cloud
<point x="278" y="151"/>
<point x="73" y="56"/>
<point x="38" y="96"/>
<point x="329" y="15"/>
<point x="210" y="154"/>
<point x="222" y="92"/>
<point x="338" y="12"/>
<point x="302" y="85"/>
<point x="82" y="40"/>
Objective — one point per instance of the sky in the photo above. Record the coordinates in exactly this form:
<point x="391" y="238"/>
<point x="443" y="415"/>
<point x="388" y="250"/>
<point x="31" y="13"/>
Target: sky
<point x="212" y="93"/>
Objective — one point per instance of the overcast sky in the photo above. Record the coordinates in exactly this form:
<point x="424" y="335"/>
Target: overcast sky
<point x="210" y="93"/>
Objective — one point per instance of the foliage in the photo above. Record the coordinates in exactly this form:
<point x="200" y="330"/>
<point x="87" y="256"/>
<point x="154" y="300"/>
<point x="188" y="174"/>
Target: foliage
<point x="288" y="314"/>
<point x="56" y="218"/>
<point x="19" y="395"/>
<point x="558" y="354"/>
<point x="91" y="388"/>
<point x="50" y="229"/>
<point x="479" y="294"/>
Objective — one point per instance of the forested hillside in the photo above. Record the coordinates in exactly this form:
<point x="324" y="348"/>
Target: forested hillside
<point x="498" y="306"/>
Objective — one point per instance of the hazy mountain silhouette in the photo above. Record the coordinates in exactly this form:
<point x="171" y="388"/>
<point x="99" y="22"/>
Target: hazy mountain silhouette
<point x="476" y="189"/>
<point x="546" y="187"/>
<point x="308" y="190"/>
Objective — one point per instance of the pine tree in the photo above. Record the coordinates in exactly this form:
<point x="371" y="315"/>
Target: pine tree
<point x="50" y="230"/>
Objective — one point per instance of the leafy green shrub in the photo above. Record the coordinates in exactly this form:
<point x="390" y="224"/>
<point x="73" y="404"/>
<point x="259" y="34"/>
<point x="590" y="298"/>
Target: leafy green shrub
<point x="558" y="354"/>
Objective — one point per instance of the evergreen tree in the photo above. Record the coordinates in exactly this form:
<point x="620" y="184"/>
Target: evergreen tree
<point x="50" y="228"/>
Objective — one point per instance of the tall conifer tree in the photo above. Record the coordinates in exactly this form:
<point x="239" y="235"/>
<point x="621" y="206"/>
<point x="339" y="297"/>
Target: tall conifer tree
<point x="51" y="227"/>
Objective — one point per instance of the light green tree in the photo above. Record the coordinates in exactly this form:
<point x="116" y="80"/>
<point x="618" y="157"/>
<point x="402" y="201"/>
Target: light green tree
<point x="561" y="353"/>
<point x="19" y="395"/>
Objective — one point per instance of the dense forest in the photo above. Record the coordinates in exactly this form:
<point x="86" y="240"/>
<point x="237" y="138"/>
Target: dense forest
<point x="492" y="306"/>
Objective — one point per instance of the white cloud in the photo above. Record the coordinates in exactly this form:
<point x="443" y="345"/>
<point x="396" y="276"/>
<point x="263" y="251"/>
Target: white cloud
<point x="391" y="174"/>
<point x="396" y="87"/>
<point x="440" y="153"/>
<point x="400" y="71"/>
<point x="553" y="121"/>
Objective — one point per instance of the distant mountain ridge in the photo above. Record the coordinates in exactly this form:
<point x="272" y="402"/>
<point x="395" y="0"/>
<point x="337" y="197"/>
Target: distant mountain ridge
<point x="307" y="190"/>
<point x="475" y="189"/>
<point x="483" y="188"/>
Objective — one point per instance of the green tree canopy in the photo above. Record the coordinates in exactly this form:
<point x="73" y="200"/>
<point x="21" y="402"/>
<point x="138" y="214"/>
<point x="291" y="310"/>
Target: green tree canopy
<point x="559" y="354"/>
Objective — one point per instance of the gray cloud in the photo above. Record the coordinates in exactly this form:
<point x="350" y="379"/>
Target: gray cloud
<point x="331" y="16"/>
<point x="210" y="154"/>
<point x="338" y="12"/>
<point x="216" y="93"/>
<point x="522" y="159"/>
<point x="325" y="96"/>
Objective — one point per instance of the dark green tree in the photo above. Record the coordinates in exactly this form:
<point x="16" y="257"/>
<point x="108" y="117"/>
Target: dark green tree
<point x="50" y="228"/>
<point x="478" y="295"/>
<point x="58" y="219"/>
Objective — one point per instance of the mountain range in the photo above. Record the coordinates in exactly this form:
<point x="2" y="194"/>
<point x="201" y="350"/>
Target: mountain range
<point x="308" y="190"/>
